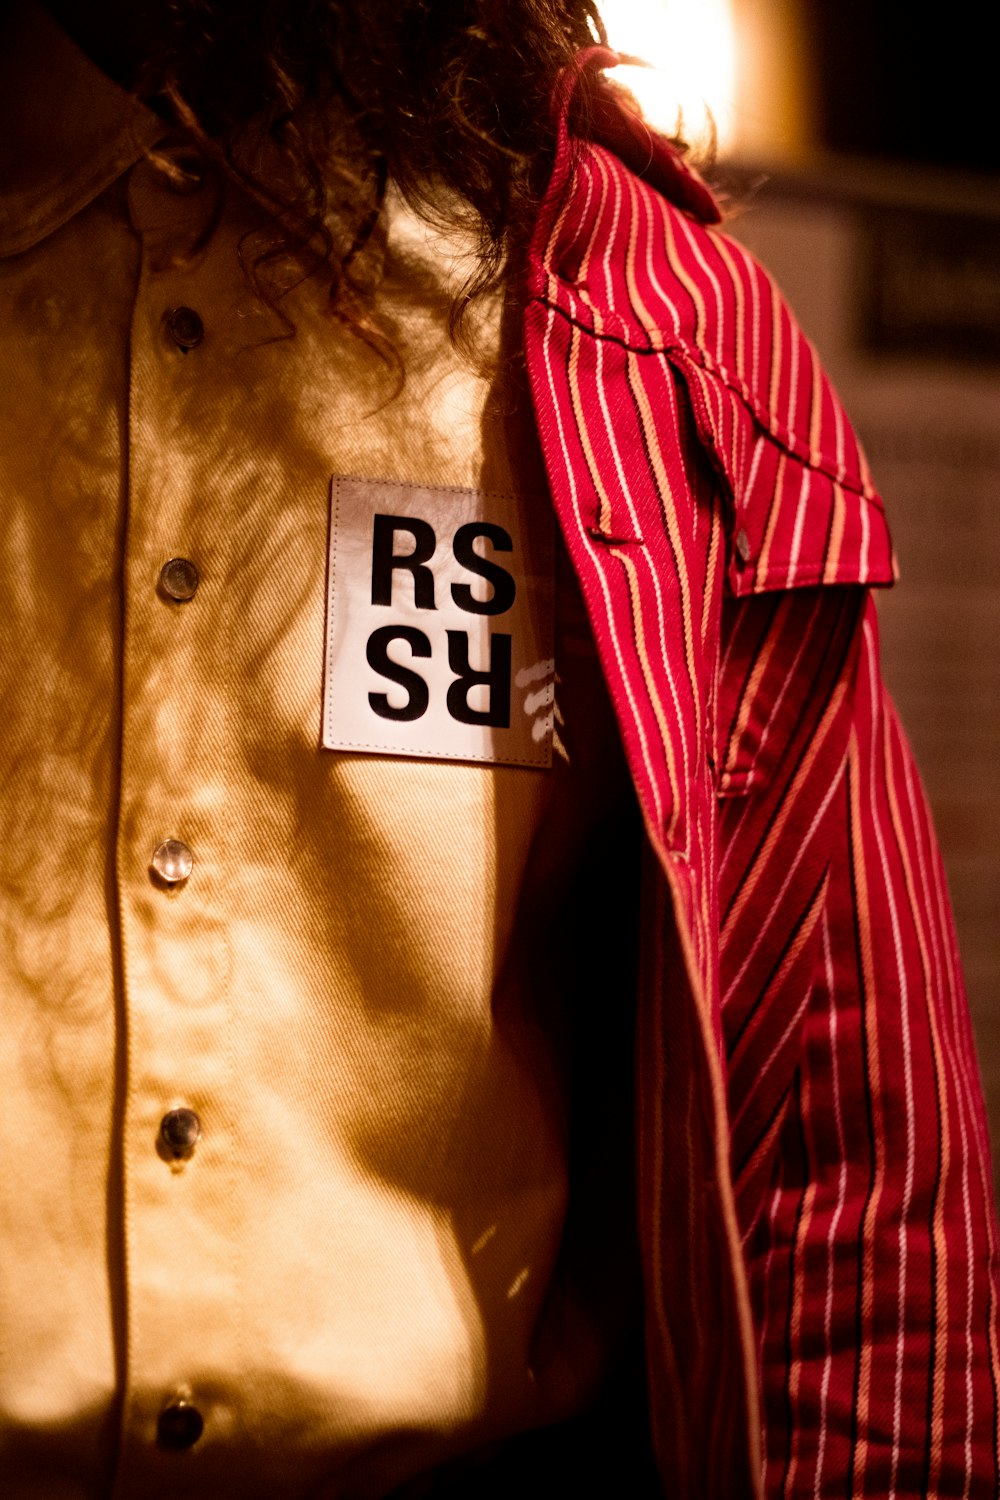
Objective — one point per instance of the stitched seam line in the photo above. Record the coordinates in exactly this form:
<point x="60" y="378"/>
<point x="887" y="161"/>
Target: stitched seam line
<point x="641" y="341"/>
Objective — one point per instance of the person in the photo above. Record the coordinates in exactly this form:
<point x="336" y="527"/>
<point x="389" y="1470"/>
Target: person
<point x="381" y="857"/>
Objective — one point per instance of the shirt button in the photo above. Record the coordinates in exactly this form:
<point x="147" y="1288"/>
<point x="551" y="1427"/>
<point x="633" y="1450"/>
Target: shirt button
<point x="179" y="579"/>
<point x="742" y="547"/>
<point x="172" y="861"/>
<point x="179" y="1131"/>
<point x="185" y="327"/>
<point x="179" y="1426"/>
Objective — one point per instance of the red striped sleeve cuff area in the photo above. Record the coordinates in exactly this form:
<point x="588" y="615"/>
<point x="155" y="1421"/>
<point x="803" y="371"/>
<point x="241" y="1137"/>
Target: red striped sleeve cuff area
<point x="873" y="1259"/>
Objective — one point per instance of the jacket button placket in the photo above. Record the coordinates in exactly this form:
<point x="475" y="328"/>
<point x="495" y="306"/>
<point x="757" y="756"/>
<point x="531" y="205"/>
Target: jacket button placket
<point x="170" y="867"/>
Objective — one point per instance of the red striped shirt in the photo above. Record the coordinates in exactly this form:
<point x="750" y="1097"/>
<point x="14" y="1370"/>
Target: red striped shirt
<point x="818" y="1228"/>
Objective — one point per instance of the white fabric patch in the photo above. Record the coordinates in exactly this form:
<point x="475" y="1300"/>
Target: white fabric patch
<point x="439" y="626"/>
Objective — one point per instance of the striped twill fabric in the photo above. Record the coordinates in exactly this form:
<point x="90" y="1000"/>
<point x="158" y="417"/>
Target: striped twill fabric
<point x="819" y="1236"/>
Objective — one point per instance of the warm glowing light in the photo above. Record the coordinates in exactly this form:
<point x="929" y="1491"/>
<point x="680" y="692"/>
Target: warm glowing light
<point x="691" y="47"/>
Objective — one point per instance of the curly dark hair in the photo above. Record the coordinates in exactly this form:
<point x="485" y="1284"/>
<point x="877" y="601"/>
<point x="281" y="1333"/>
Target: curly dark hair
<point x="448" y="99"/>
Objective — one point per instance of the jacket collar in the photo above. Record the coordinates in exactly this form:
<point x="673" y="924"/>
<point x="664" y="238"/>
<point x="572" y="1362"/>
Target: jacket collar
<point x="614" y="124"/>
<point x="67" y="131"/>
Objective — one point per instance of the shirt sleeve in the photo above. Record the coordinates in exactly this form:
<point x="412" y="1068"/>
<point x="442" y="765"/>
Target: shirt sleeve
<point x="860" y="1151"/>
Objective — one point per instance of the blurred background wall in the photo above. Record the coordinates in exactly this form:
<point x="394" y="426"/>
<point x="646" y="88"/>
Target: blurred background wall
<point x="860" y="154"/>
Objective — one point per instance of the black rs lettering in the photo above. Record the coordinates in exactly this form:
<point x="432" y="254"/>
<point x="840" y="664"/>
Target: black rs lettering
<point x="377" y="652"/>
<point x="500" y="580"/>
<point x="385" y="561"/>
<point x="496" y="679"/>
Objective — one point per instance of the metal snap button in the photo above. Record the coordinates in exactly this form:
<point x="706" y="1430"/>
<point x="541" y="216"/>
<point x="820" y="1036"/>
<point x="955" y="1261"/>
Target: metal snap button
<point x="172" y="861"/>
<point x="179" y="1426"/>
<point x="180" y="1130"/>
<point x="179" y="579"/>
<point x="185" y="327"/>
